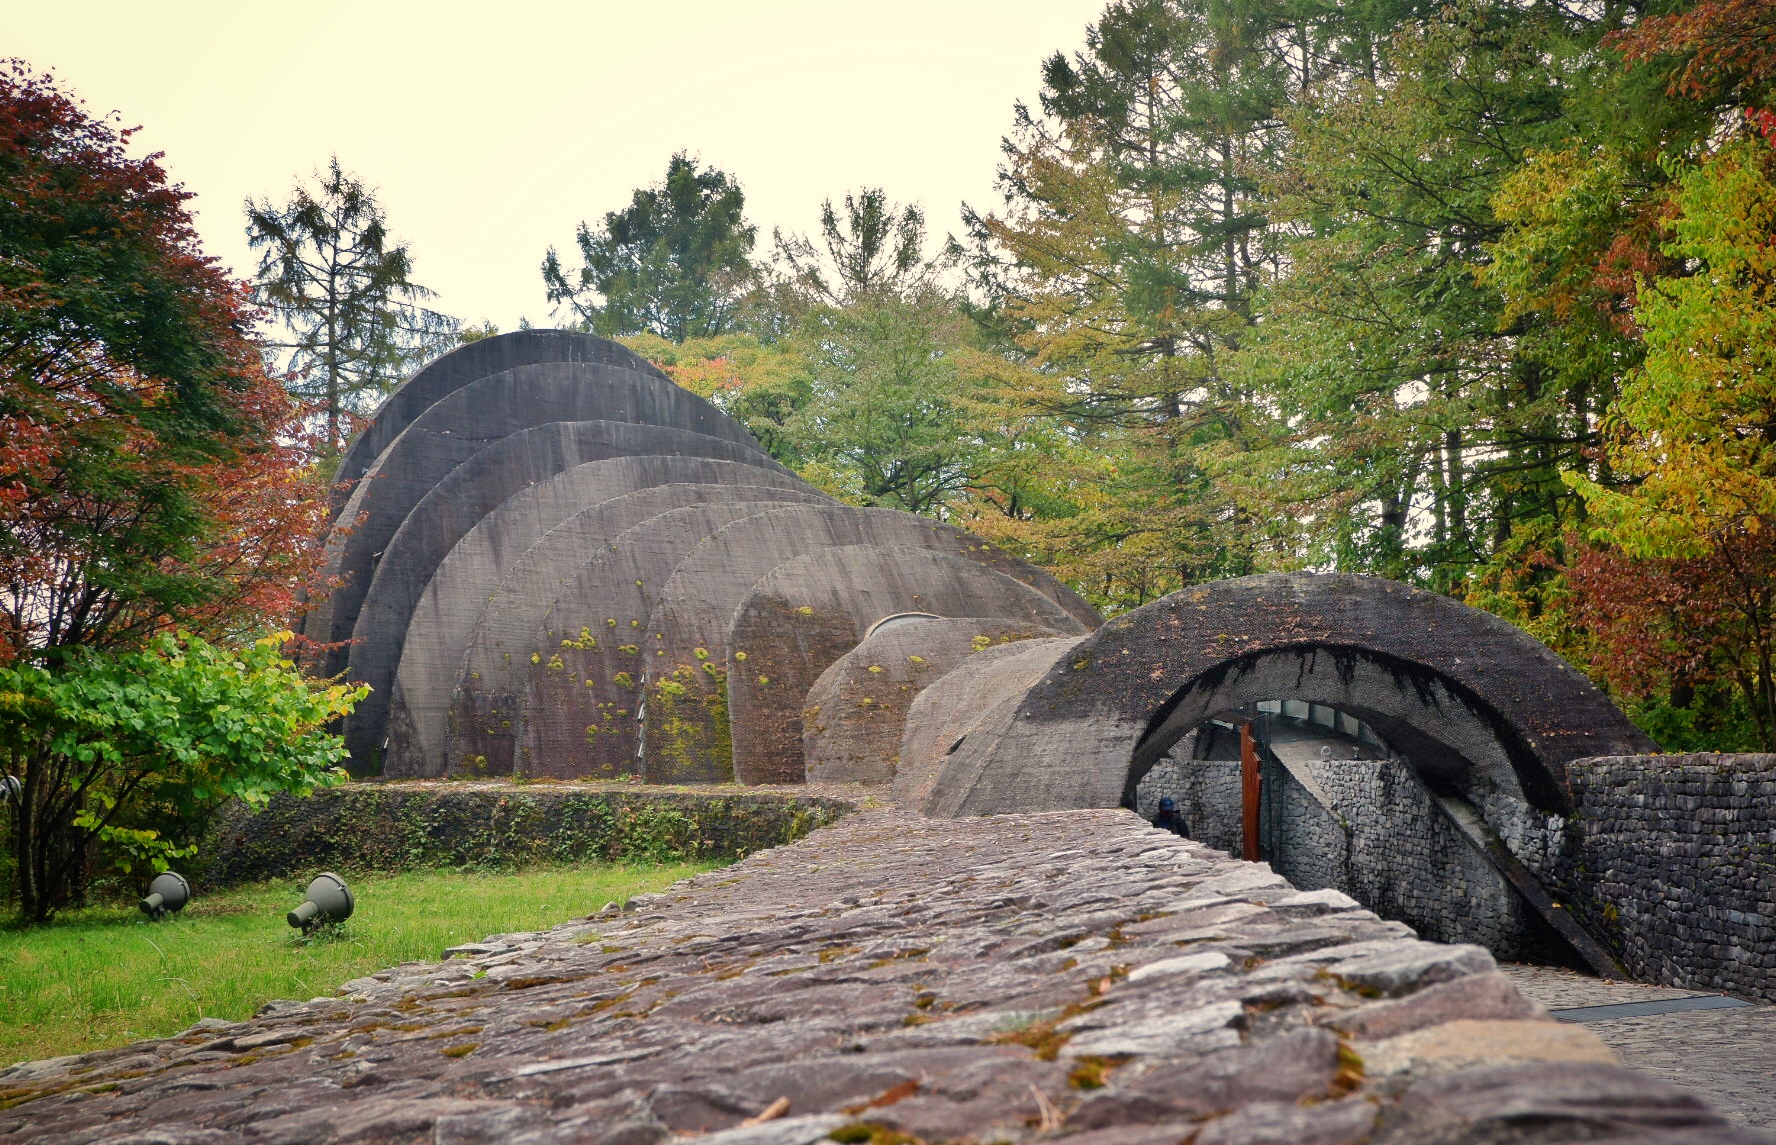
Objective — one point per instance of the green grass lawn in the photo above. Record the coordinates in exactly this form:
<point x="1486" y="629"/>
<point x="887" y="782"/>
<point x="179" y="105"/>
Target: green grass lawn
<point x="105" y="976"/>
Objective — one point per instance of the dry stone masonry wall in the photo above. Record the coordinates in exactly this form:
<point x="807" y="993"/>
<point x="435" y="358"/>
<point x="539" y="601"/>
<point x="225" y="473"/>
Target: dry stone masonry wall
<point x="1074" y="977"/>
<point x="1385" y="841"/>
<point x="1370" y="830"/>
<point x="1673" y="860"/>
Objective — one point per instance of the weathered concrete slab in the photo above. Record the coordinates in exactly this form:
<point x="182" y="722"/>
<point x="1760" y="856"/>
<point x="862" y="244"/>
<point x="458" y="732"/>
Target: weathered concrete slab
<point x="950" y="707"/>
<point x="1071" y="977"/>
<point x="855" y="715"/>
<point x="459" y="502"/>
<point x="582" y="699"/>
<point x="1441" y="681"/>
<point x="464" y="424"/>
<point x="443" y="376"/>
<point x="467" y="579"/>
<point x="806" y="613"/>
<point x="685" y="735"/>
<point x="488" y="689"/>
<point x="507" y="633"/>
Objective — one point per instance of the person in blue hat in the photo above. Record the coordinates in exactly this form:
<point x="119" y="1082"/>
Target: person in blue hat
<point x="1168" y="818"/>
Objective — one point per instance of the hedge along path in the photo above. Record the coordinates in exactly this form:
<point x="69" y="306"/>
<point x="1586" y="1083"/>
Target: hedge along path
<point x="582" y="693"/>
<point x="489" y="690"/>
<point x="686" y="731"/>
<point x="360" y="827"/>
<point x="469" y="363"/>
<point x="443" y="617"/>
<point x="848" y="740"/>
<point x="460" y="502"/>
<point x="463" y="424"/>
<point x="806" y="613"/>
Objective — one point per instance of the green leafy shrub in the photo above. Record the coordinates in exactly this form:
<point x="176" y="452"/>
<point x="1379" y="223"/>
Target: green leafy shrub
<point x="111" y="748"/>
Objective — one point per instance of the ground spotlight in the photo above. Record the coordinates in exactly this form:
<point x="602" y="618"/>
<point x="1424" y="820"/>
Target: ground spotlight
<point x="329" y="900"/>
<point x="167" y="893"/>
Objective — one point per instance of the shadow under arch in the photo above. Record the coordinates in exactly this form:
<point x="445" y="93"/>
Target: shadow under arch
<point x="1070" y="739"/>
<point x="1442" y="726"/>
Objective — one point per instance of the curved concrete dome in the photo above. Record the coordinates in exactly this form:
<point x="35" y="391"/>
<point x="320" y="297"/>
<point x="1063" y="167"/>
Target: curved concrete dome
<point x="469" y="576"/>
<point x="806" y="613"/>
<point x="488" y="688"/>
<point x="685" y="654"/>
<point x="854" y="717"/>
<point x="1449" y="685"/>
<point x="482" y="358"/>
<point x="459" y="502"/>
<point x="464" y="425"/>
<point x="582" y="699"/>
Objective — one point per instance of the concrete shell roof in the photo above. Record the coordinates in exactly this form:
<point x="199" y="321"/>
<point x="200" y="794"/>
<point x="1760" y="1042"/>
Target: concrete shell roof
<point x="444" y="375"/>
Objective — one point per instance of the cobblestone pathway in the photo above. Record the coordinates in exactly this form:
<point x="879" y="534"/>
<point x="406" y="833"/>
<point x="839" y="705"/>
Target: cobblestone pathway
<point x="1077" y="978"/>
<point x="1728" y="1056"/>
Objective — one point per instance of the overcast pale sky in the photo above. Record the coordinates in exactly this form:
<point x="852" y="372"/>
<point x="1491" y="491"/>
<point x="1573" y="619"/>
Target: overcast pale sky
<point x="492" y="130"/>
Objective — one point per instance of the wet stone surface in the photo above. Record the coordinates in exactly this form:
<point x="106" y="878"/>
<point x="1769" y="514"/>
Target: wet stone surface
<point x="1727" y="1056"/>
<point x="1073" y="976"/>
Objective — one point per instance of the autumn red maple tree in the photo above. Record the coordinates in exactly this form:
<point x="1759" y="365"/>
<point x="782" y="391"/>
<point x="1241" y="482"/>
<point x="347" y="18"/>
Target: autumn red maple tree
<point x="1679" y="587"/>
<point x="151" y="475"/>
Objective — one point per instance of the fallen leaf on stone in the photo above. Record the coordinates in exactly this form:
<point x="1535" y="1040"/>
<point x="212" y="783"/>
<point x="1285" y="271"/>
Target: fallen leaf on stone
<point x="887" y="1097"/>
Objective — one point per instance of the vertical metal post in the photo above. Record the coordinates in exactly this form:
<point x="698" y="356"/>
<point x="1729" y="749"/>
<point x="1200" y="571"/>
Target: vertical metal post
<point x="1250" y="781"/>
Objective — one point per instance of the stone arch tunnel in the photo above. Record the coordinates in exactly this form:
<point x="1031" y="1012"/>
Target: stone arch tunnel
<point x="550" y="560"/>
<point x="1449" y="823"/>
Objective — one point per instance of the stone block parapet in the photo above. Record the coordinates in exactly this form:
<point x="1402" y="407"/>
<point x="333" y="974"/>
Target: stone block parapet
<point x="1672" y="860"/>
<point x="1072" y="976"/>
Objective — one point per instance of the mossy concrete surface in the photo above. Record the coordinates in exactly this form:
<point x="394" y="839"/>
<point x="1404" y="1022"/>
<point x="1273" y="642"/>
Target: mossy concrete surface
<point x="406" y="826"/>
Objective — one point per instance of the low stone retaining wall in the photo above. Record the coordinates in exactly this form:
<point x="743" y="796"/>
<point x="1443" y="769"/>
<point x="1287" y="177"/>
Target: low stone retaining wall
<point x="1074" y="977"/>
<point x="401" y="826"/>
<point x="1671" y="859"/>
<point x="1371" y="830"/>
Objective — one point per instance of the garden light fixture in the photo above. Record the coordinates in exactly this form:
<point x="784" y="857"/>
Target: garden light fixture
<point x="167" y="893"/>
<point x="329" y="900"/>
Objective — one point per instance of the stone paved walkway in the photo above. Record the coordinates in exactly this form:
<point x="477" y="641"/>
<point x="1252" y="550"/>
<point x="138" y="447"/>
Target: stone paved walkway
<point x="1076" y="977"/>
<point x="1729" y="1056"/>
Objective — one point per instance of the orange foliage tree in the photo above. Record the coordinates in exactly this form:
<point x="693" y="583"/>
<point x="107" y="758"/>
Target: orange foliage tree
<point x="151" y="475"/>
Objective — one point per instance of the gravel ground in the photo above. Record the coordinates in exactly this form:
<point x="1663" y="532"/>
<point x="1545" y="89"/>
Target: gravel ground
<point x="1728" y="1056"/>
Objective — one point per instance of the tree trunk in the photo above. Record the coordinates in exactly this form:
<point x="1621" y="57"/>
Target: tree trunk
<point x="49" y="851"/>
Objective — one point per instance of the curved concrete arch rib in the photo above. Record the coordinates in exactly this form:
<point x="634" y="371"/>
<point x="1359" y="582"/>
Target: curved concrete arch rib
<point x="950" y="708"/>
<point x="463" y="425"/>
<point x="467" y="669"/>
<point x="580" y="701"/>
<point x="504" y="634"/>
<point x="468" y="576"/>
<point x="808" y="612"/>
<point x="459" y="502"/>
<point x="855" y="714"/>
<point x="685" y="656"/>
<point x="1079" y="735"/>
<point x="469" y="363"/>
